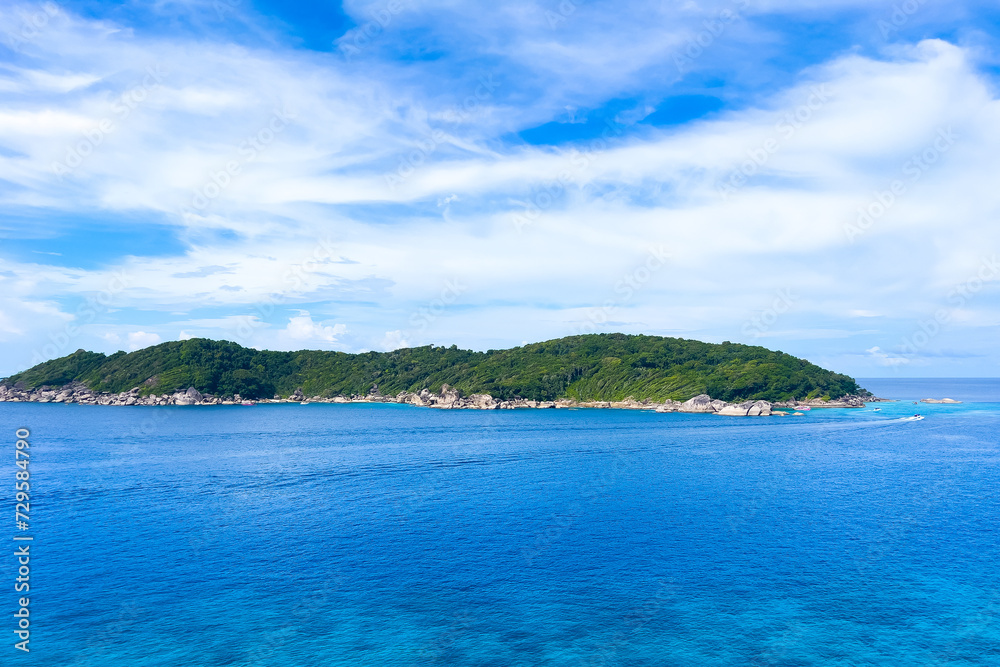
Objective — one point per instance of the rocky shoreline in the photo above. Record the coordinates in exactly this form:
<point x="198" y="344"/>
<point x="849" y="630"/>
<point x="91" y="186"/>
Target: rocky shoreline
<point x="447" y="399"/>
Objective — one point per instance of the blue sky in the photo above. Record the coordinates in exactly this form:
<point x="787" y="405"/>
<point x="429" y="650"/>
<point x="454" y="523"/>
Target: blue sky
<point x="816" y="177"/>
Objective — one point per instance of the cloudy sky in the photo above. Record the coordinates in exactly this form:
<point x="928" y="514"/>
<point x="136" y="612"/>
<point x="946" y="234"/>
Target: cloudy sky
<point x="815" y="176"/>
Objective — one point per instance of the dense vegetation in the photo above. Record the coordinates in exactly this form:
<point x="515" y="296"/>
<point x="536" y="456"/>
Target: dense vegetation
<point x="591" y="367"/>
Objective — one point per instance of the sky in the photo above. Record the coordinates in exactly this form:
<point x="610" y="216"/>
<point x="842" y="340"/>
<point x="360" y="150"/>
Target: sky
<point x="816" y="176"/>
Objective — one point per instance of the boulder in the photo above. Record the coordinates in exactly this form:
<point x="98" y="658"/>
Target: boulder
<point x="481" y="402"/>
<point x="449" y="396"/>
<point x="701" y="403"/>
<point x="191" y="393"/>
<point x="747" y="409"/>
<point x="629" y="403"/>
<point x="181" y="399"/>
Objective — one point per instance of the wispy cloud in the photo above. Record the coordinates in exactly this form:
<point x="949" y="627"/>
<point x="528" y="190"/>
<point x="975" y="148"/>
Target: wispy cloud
<point x="203" y="126"/>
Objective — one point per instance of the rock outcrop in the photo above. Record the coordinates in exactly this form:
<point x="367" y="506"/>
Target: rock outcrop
<point x="842" y="402"/>
<point x="747" y="409"/>
<point x="702" y="403"/>
<point x="448" y="398"/>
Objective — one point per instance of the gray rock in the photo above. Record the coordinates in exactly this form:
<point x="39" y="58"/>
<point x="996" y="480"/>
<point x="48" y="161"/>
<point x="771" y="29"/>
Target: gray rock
<point x="747" y="409"/>
<point x="482" y="402"/>
<point x="700" y="403"/>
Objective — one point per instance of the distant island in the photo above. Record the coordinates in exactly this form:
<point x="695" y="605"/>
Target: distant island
<point x="596" y="370"/>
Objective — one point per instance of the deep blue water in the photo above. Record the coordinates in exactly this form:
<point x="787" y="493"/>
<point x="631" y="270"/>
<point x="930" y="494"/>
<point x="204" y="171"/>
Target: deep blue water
<point x="391" y="535"/>
<point x="983" y="390"/>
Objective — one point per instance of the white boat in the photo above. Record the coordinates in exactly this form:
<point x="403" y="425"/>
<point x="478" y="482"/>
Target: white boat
<point x="304" y="403"/>
<point x="877" y="410"/>
<point x="914" y="418"/>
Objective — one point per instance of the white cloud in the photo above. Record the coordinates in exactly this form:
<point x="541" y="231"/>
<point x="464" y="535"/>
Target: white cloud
<point x="885" y="359"/>
<point x="323" y="176"/>
<point x="303" y="330"/>
<point x="140" y="339"/>
<point x="394" y="340"/>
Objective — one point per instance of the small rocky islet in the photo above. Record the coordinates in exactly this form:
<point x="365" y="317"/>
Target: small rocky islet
<point x="614" y="370"/>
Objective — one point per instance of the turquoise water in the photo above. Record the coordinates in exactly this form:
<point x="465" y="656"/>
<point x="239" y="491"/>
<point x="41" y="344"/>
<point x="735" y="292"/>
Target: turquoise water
<point x="390" y="535"/>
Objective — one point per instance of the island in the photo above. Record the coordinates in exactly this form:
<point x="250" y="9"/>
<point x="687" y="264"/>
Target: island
<point x="596" y="370"/>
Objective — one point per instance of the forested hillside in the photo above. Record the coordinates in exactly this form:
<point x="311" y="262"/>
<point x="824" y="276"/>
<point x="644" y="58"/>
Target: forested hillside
<point x="603" y="367"/>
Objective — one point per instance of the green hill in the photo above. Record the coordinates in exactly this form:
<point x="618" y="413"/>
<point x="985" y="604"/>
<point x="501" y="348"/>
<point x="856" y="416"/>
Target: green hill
<point x="604" y="367"/>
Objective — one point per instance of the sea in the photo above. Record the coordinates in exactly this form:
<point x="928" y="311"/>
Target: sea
<point x="368" y="534"/>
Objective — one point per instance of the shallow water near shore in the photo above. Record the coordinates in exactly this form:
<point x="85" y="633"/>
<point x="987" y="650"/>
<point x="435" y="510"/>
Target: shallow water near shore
<point x="391" y="535"/>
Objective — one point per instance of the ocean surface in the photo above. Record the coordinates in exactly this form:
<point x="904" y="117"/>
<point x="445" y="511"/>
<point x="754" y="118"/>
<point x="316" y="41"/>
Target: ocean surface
<point x="981" y="390"/>
<point x="390" y="535"/>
